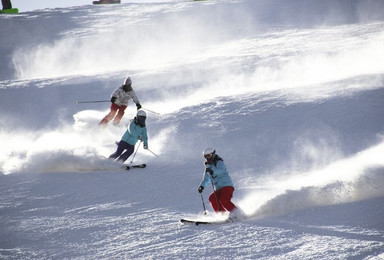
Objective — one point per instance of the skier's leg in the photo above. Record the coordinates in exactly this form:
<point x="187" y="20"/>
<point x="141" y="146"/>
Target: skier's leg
<point x="129" y="150"/>
<point x="110" y="115"/>
<point x="119" y="114"/>
<point x="120" y="149"/>
<point x="214" y="202"/>
<point x="226" y="194"/>
<point x="6" y="4"/>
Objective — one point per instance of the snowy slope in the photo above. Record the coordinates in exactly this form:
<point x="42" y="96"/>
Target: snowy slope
<point x="289" y="94"/>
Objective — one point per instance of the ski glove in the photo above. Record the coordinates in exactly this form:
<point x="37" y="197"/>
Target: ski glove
<point x="209" y="170"/>
<point x="145" y="146"/>
<point x="113" y="99"/>
<point x="200" y="189"/>
<point x="138" y="106"/>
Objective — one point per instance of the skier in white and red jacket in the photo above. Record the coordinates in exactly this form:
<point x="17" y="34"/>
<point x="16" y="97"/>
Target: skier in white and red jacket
<point x="119" y="100"/>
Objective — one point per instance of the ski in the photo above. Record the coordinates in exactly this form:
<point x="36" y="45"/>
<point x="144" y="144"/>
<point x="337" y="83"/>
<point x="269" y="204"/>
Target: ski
<point x="202" y="222"/>
<point x="103" y="2"/>
<point x="9" y="11"/>
<point x="143" y="165"/>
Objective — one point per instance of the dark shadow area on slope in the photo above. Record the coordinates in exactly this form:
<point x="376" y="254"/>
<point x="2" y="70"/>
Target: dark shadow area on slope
<point x="302" y="13"/>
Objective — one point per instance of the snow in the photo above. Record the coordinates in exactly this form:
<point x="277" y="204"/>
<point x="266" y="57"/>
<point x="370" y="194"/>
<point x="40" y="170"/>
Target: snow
<point x="290" y="93"/>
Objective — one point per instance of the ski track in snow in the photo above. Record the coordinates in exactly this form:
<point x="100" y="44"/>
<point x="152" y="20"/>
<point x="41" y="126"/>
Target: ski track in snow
<point x="289" y="94"/>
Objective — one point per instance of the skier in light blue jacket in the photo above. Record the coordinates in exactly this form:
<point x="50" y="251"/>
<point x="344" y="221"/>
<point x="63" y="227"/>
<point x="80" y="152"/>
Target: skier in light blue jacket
<point x="135" y="131"/>
<point x="217" y="173"/>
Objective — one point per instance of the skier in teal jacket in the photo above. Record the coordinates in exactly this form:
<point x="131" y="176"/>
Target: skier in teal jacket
<point x="135" y="131"/>
<point x="217" y="173"/>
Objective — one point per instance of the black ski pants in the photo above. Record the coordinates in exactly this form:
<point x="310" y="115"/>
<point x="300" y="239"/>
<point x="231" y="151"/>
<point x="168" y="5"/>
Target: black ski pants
<point x="123" y="146"/>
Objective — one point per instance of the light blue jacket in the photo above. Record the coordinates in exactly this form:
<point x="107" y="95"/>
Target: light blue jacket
<point x="220" y="176"/>
<point x="134" y="132"/>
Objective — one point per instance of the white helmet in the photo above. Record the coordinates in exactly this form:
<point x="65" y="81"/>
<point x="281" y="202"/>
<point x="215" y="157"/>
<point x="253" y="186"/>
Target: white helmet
<point x="141" y="112"/>
<point x="128" y="81"/>
<point x="140" y="118"/>
<point x="208" y="151"/>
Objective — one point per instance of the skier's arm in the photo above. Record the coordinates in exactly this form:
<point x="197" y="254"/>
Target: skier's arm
<point x="130" y="127"/>
<point x="115" y="95"/>
<point x="145" y="138"/>
<point x="206" y="180"/>
<point x="135" y="99"/>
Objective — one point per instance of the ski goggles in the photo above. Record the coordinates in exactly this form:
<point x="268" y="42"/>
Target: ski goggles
<point x="207" y="156"/>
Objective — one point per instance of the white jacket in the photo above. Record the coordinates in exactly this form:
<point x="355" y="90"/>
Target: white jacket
<point x="123" y="97"/>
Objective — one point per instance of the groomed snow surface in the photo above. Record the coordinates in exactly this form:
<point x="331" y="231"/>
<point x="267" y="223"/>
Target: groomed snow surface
<point x="289" y="93"/>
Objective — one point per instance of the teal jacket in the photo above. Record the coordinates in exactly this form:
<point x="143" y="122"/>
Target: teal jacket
<point x="220" y="176"/>
<point x="134" y="132"/>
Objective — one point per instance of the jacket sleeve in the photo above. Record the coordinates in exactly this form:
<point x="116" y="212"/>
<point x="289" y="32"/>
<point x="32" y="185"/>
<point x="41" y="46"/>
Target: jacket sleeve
<point x="145" y="137"/>
<point x="206" y="180"/>
<point x="116" y="93"/>
<point x="134" y="97"/>
<point x="131" y="128"/>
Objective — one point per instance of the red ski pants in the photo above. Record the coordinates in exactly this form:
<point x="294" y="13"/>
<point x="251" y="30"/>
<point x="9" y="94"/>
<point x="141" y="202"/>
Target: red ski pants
<point x="221" y="199"/>
<point x="112" y="113"/>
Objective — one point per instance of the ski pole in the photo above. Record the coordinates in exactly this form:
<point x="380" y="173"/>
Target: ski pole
<point x="150" y="111"/>
<point x="92" y="101"/>
<point x="136" y="151"/>
<point x="202" y="199"/>
<point x="152" y="152"/>
<point x="214" y="191"/>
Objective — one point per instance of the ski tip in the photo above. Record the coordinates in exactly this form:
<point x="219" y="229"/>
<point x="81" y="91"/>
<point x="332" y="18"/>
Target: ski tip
<point x="185" y="221"/>
<point x="143" y="165"/>
<point x="205" y="222"/>
<point x="195" y="222"/>
<point x="135" y="166"/>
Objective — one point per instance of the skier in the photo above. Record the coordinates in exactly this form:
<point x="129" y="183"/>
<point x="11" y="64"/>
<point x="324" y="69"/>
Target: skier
<point x="119" y="100"/>
<point x="217" y="173"/>
<point x="6" y="4"/>
<point x="135" y="131"/>
<point x="107" y="2"/>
